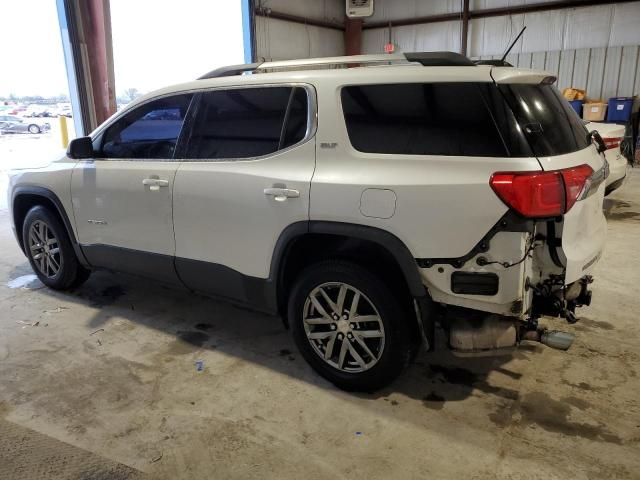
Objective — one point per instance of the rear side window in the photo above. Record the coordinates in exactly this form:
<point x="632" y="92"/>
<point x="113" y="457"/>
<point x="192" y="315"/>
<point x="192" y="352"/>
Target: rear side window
<point x="550" y="124"/>
<point x="249" y="122"/>
<point x="422" y="119"/>
<point x="149" y="131"/>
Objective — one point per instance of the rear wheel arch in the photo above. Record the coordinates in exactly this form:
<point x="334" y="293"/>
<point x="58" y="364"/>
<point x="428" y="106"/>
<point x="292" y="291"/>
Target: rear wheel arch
<point x="379" y="251"/>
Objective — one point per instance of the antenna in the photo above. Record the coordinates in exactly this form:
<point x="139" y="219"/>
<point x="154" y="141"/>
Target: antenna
<point x="512" y="45"/>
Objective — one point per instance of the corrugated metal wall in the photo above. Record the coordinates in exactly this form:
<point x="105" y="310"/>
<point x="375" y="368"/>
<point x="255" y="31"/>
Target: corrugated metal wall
<point x="603" y="72"/>
<point x="592" y="47"/>
<point x="281" y="40"/>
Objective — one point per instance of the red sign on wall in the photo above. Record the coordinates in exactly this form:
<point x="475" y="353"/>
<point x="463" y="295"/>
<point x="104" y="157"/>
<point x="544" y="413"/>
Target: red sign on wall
<point x="389" y="48"/>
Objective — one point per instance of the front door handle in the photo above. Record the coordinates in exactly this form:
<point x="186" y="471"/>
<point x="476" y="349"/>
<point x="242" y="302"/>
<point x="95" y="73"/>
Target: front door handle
<point x="281" y="194"/>
<point x="154" y="184"/>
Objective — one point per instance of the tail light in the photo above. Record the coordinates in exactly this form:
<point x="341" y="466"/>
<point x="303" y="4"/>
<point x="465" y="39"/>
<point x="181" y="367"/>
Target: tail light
<point x="612" y="142"/>
<point x="541" y="194"/>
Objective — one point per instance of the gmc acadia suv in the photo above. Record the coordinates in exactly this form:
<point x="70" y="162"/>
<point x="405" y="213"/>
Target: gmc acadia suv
<point x="359" y="198"/>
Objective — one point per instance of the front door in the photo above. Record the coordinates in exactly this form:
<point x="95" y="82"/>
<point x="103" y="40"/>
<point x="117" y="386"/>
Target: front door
<point x="122" y="199"/>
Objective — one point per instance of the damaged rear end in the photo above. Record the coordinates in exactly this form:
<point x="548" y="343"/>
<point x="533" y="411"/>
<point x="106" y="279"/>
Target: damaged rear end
<point x="561" y="225"/>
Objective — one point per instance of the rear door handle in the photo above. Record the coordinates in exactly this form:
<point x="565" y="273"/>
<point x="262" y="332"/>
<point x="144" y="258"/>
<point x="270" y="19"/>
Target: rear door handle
<point x="154" y="184"/>
<point x="281" y="194"/>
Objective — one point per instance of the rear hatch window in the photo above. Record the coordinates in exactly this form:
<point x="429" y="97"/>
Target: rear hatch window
<point x="551" y="126"/>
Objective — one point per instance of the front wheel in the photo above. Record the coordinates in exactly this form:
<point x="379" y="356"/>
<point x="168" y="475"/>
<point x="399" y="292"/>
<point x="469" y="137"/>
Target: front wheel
<point x="50" y="251"/>
<point x="34" y="128"/>
<point x="349" y="326"/>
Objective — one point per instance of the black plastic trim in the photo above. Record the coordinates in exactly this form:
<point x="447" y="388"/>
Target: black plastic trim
<point x="155" y="266"/>
<point x="439" y="59"/>
<point x="471" y="283"/>
<point x="510" y="222"/>
<point x="226" y="283"/>
<point x="49" y="195"/>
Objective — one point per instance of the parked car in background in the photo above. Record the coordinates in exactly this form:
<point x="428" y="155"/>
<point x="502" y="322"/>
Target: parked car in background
<point x="612" y="134"/>
<point x="35" y="110"/>
<point x="63" y="110"/>
<point x="15" y="110"/>
<point x="13" y="124"/>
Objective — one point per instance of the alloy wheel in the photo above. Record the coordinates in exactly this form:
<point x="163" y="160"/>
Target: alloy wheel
<point x="44" y="249"/>
<point x="343" y="327"/>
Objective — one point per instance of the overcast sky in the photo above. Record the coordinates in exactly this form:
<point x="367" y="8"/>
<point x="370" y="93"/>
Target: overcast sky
<point x="154" y="43"/>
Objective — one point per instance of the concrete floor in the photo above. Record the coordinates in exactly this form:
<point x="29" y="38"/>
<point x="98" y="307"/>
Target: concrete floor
<point x="110" y="369"/>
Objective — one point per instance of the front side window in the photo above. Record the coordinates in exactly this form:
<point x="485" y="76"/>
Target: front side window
<point x="247" y="122"/>
<point x="150" y="131"/>
<point x="451" y="119"/>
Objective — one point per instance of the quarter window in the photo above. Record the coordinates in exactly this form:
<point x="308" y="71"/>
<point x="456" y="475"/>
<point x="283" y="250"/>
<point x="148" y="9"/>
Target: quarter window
<point x="248" y="122"/>
<point x="421" y="119"/>
<point x="150" y="131"/>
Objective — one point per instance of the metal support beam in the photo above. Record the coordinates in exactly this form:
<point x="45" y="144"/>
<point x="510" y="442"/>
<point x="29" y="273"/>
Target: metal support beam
<point x="495" y="12"/>
<point x="465" y="28"/>
<point x="96" y="25"/>
<point x="353" y="36"/>
<point x="85" y="28"/>
<point x="248" y="31"/>
<point x="268" y="13"/>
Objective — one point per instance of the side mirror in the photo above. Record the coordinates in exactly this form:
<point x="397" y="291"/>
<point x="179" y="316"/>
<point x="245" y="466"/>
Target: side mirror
<point x="595" y="136"/>
<point x="80" y="148"/>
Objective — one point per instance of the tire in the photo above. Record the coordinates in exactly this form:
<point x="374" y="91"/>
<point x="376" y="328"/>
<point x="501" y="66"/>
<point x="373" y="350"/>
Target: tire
<point x="40" y="224"/>
<point x="387" y="345"/>
<point x="33" y="128"/>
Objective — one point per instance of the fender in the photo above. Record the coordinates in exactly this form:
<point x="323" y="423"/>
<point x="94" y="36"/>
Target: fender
<point x="53" y="198"/>
<point x="385" y="239"/>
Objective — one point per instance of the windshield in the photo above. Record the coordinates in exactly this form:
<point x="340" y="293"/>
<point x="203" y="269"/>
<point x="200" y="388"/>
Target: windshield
<point x="551" y="126"/>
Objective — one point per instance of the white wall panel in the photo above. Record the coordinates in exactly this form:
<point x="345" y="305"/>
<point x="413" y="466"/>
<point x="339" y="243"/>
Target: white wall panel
<point x="538" y="60"/>
<point x="389" y="10"/>
<point x="544" y="31"/>
<point x="596" y="72"/>
<point x="611" y="75"/>
<point x="414" y="38"/>
<point x="281" y="40"/>
<point x="588" y="27"/>
<point x="331" y="10"/>
<point x="626" y="24"/>
<point x="568" y="29"/>
<point x="565" y="70"/>
<point x="628" y="64"/>
<point x="552" y="62"/>
<point x="581" y="68"/>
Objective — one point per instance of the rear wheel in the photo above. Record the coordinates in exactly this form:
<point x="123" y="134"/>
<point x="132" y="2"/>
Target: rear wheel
<point x="33" y="128"/>
<point x="49" y="250"/>
<point x="349" y="326"/>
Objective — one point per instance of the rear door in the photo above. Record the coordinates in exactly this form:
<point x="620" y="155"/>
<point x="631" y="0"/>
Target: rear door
<point x="559" y="140"/>
<point x="243" y="179"/>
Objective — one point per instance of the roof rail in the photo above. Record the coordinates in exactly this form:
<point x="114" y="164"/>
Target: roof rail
<point x="231" y="70"/>
<point x="427" y="59"/>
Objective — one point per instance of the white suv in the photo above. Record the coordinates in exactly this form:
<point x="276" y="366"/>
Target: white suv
<point x="360" y="203"/>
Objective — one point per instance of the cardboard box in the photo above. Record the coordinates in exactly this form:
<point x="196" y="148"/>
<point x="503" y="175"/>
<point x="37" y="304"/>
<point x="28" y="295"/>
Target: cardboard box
<point x="574" y="94"/>
<point x="594" y="112"/>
